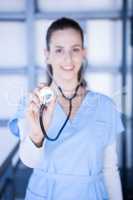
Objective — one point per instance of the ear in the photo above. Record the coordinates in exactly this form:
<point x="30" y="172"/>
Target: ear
<point x="47" y="56"/>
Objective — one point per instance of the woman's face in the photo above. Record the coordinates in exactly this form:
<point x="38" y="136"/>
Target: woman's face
<point x="66" y="54"/>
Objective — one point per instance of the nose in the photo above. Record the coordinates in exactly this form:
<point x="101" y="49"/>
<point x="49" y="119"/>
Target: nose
<point x="68" y="57"/>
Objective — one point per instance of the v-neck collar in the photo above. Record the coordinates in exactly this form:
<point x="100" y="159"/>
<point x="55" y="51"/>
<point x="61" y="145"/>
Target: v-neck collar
<point x="87" y="110"/>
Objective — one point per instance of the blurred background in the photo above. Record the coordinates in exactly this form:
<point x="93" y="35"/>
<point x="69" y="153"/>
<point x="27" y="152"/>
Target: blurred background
<point x="108" y="28"/>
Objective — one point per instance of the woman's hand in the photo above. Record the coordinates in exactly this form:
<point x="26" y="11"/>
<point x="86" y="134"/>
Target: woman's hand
<point x="32" y="115"/>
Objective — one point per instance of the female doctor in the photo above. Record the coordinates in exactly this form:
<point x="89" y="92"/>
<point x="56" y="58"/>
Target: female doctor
<point x="81" y="163"/>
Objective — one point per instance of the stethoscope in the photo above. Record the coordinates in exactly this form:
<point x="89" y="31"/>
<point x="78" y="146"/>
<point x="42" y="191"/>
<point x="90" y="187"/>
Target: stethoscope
<point x="48" y="98"/>
<point x="44" y="105"/>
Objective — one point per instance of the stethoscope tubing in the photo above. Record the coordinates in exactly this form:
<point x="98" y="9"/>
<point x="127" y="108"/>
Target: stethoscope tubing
<point x="43" y="107"/>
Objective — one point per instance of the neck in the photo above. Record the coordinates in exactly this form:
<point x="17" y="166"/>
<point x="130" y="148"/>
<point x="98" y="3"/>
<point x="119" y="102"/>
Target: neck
<point x="68" y="87"/>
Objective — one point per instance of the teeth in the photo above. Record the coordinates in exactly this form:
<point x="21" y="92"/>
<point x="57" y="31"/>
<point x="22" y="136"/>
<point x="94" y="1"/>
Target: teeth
<point x="71" y="68"/>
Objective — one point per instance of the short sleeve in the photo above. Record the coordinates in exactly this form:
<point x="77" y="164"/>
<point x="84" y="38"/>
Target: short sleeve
<point x="20" y="114"/>
<point x="115" y="123"/>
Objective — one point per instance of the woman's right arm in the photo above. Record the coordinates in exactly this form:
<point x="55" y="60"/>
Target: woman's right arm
<point x="29" y="153"/>
<point x="31" y="136"/>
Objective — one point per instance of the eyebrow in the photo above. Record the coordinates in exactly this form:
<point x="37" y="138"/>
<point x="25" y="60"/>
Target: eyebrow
<point x="75" y="45"/>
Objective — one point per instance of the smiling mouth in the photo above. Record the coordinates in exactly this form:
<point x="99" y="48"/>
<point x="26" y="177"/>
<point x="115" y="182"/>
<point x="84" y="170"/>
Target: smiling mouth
<point x="68" y="68"/>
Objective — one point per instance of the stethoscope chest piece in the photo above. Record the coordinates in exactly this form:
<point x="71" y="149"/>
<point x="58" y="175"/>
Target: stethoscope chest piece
<point x="46" y="95"/>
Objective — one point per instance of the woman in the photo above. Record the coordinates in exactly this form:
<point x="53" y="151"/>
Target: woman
<point x="82" y="163"/>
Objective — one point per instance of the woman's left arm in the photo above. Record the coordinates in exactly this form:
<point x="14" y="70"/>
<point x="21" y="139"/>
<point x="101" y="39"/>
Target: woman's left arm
<point x="111" y="173"/>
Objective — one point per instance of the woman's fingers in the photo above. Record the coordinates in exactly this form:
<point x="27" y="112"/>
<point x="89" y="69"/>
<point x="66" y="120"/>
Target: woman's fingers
<point x="34" y="107"/>
<point x="37" y="90"/>
<point x="35" y="103"/>
<point x="34" y="98"/>
<point x="32" y="112"/>
<point x="41" y="85"/>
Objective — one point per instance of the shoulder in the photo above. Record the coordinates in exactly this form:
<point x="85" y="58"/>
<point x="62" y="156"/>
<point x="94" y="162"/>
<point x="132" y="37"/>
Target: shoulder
<point x="105" y="105"/>
<point x="102" y="98"/>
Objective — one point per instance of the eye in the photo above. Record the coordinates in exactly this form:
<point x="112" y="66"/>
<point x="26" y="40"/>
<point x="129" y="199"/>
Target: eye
<point x="58" y="51"/>
<point x="76" y="50"/>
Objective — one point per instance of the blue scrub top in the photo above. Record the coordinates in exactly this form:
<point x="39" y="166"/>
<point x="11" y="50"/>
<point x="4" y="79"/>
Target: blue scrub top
<point x="72" y="166"/>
